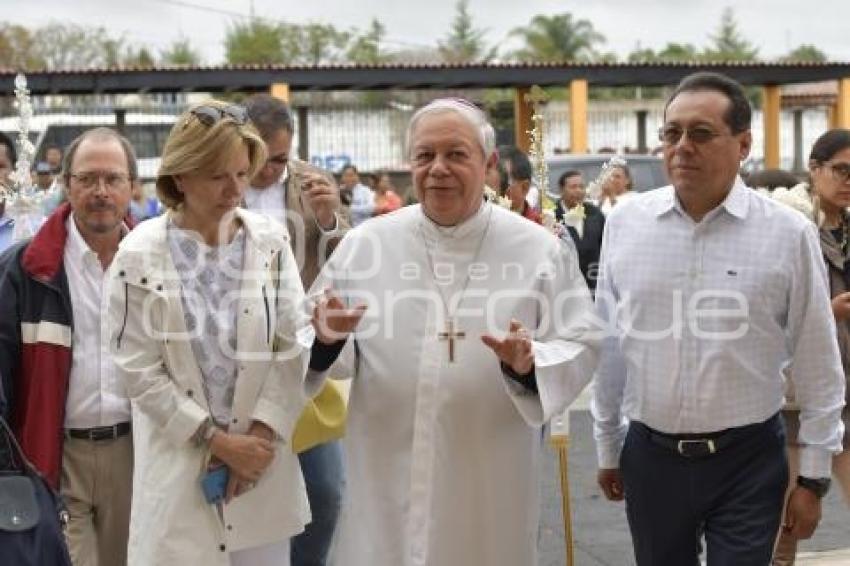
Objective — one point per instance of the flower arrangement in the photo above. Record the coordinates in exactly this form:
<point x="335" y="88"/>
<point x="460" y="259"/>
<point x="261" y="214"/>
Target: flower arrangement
<point x="797" y="197"/>
<point x="24" y="201"/>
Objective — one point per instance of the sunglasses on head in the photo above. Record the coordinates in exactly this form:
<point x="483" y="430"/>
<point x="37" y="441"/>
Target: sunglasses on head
<point x="209" y="115"/>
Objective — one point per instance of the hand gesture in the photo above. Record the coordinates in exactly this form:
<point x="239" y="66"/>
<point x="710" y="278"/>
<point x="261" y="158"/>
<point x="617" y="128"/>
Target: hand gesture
<point x="611" y="482"/>
<point x="332" y="320"/>
<point x="322" y="197"/>
<point x="515" y="350"/>
<point x="802" y="514"/>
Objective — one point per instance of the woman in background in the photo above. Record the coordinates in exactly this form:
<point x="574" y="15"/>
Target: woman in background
<point x="829" y="167"/>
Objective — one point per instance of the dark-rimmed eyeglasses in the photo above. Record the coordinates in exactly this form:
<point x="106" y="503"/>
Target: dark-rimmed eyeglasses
<point x="670" y="135"/>
<point x="209" y="115"/>
<point x="840" y="171"/>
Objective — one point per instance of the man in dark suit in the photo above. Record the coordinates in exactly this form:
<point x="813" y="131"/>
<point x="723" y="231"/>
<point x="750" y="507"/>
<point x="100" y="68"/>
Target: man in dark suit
<point x="584" y="222"/>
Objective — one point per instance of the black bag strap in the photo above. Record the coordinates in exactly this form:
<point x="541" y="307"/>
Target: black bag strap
<point x="15" y="449"/>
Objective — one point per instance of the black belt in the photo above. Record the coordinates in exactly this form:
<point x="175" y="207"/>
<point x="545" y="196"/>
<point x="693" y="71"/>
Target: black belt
<point x="99" y="432"/>
<point x="702" y="444"/>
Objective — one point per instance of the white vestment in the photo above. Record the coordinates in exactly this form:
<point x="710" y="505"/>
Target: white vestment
<point x="442" y="458"/>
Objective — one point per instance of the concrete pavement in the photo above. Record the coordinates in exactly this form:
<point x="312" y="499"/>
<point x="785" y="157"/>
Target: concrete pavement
<point x="600" y="533"/>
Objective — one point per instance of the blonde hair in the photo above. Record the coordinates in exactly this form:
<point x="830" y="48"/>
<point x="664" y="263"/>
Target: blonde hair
<point x="193" y="146"/>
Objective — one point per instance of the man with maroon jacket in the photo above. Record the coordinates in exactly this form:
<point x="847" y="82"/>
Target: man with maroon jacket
<point x="63" y="395"/>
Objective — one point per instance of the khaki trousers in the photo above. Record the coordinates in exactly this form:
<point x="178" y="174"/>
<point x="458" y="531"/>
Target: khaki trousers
<point x="96" y="484"/>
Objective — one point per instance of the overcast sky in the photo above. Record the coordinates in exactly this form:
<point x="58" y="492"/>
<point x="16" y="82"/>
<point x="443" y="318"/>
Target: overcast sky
<point x="774" y="26"/>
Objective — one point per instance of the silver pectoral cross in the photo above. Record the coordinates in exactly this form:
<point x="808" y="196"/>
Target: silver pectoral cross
<point x="450" y="334"/>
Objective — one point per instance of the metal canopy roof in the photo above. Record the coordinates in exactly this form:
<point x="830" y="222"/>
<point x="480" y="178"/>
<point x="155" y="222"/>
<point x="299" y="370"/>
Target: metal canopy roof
<point x="250" y="78"/>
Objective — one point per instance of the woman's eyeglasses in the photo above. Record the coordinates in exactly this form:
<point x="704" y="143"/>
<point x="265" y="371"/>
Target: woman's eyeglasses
<point x="209" y="115"/>
<point x="840" y="171"/>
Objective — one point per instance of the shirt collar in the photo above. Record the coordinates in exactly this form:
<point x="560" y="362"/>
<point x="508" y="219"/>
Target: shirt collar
<point x="475" y="223"/>
<point x="76" y="245"/>
<point x="736" y="202"/>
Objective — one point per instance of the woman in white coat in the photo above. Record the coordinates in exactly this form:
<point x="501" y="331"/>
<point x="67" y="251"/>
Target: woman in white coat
<point x="209" y="340"/>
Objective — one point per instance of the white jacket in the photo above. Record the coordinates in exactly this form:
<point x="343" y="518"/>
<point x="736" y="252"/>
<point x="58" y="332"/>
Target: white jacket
<point x="170" y="523"/>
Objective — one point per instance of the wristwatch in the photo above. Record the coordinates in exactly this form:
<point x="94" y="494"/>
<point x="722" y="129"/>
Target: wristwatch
<point x="818" y="486"/>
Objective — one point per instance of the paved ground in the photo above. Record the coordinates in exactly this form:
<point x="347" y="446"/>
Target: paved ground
<point x="599" y="527"/>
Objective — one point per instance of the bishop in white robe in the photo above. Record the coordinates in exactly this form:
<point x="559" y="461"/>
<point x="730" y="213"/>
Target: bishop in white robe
<point x="446" y="406"/>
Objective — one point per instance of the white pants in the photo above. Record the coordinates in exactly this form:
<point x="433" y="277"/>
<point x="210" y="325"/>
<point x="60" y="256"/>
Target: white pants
<point x="275" y="554"/>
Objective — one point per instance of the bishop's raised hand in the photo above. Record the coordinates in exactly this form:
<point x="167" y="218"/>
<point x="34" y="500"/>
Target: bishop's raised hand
<point x="333" y="320"/>
<point x="515" y="350"/>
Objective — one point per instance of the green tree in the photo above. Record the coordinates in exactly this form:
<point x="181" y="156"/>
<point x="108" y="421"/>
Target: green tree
<point x="73" y="46"/>
<point x="366" y="48"/>
<point x="180" y="52"/>
<point x="464" y="43"/>
<point x="138" y="57"/>
<point x="322" y="43"/>
<point x="728" y="44"/>
<point x="254" y="42"/>
<point x="558" y="38"/>
<point x="679" y="52"/>
<point x="806" y="53"/>
<point x="19" y="49"/>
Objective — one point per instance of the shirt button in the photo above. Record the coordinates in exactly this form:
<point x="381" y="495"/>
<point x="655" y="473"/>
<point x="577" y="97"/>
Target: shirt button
<point x="222" y="548"/>
<point x="234" y="422"/>
<point x="229" y="527"/>
<point x="190" y="393"/>
<point x="144" y="280"/>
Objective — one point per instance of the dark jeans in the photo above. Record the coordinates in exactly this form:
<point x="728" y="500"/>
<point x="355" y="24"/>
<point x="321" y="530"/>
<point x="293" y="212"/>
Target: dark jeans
<point x="324" y="476"/>
<point x="733" y="496"/>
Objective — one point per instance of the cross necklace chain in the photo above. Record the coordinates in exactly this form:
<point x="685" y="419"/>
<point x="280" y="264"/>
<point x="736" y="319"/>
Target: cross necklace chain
<point x="452" y="333"/>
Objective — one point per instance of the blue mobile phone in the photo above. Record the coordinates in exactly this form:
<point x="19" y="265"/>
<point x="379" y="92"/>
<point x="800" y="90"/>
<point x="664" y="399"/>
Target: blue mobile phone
<point x="214" y="484"/>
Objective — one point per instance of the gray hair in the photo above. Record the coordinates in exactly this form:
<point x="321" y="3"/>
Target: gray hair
<point x="472" y="114"/>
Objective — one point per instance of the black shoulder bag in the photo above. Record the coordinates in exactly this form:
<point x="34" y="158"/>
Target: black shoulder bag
<point x="31" y="513"/>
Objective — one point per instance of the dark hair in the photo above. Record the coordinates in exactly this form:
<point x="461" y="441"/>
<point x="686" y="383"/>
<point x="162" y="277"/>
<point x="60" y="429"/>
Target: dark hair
<point x="520" y="165"/>
<point x="828" y="144"/>
<point x="771" y="178"/>
<point x="10" y="148"/>
<point x="269" y="115"/>
<point x="739" y="115"/>
<point x="347" y="167"/>
<point x="101" y="133"/>
<point x="566" y="175"/>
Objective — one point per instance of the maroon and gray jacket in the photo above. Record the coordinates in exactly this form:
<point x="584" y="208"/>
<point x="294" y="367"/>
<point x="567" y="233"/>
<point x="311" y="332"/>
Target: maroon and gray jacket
<point x="36" y="327"/>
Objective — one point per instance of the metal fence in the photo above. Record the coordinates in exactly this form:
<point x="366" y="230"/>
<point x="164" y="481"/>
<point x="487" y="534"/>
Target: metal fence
<point x="367" y="134"/>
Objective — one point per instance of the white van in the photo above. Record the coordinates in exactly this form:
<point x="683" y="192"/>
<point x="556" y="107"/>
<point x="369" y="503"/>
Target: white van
<point x="147" y="133"/>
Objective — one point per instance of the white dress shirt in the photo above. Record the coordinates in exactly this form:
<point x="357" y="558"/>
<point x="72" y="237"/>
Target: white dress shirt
<point x="703" y="318"/>
<point x="271" y="201"/>
<point x="96" y="395"/>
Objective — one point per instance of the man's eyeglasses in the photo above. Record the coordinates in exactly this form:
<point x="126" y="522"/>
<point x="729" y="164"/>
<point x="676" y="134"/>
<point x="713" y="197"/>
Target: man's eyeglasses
<point x="89" y="180"/>
<point x="209" y="115"/>
<point x="670" y="135"/>
<point x="280" y="160"/>
<point x="840" y="171"/>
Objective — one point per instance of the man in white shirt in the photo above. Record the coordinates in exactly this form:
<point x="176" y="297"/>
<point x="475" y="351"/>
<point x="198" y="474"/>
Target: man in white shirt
<point x="359" y="198"/>
<point x="66" y="403"/>
<point x="711" y="291"/>
<point x="303" y="198"/>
